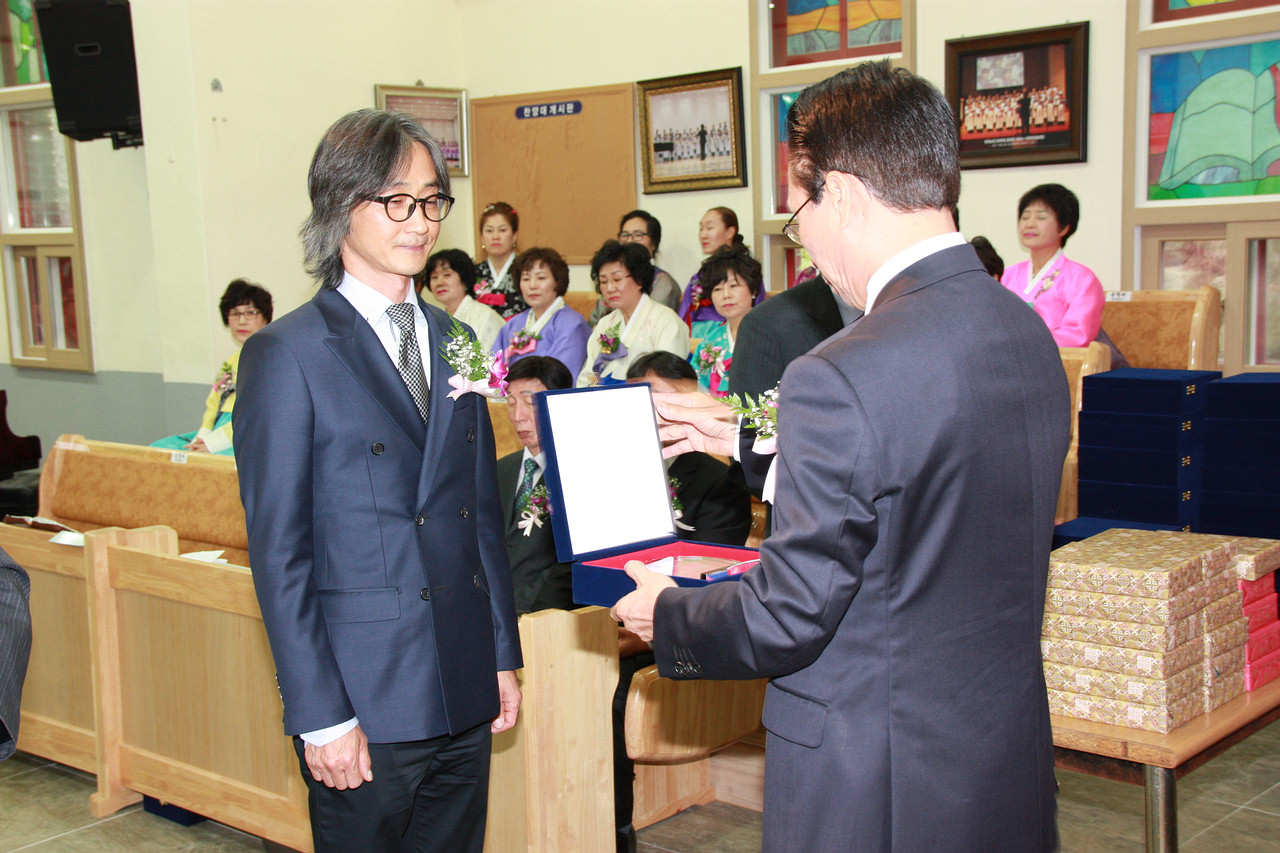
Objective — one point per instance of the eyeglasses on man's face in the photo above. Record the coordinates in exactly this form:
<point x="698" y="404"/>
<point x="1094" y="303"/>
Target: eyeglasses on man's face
<point x="791" y="230"/>
<point x="400" y="206"/>
<point x="632" y="236"/>
<point x="243" y="313"/>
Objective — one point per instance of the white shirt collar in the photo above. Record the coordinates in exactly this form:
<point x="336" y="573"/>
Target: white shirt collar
<point x="541" y="459"/>
<point x="906" y="258"/>
<point x="371" y="304"/>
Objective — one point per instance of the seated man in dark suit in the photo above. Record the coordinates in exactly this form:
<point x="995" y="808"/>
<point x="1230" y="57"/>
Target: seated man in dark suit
<point x="541" y="581"/>
<point x="15" y="647"/>
<point x="715" y="503"/>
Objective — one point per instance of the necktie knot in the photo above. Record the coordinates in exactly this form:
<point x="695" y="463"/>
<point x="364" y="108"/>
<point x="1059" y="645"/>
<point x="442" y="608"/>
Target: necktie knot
<point x="401" y="314"/>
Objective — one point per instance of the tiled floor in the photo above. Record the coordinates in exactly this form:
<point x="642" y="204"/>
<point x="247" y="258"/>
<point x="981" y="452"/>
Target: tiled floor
<point x="1230" y="804"/>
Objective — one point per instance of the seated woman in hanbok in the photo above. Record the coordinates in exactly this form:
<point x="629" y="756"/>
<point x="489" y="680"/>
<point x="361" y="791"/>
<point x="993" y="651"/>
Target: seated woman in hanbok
<point x="246" y="308"/>
<point x="548" y="326"/>
<point x="452" y="279"/>
<point x="735" y="280"/>
<point x="636" y="324"/>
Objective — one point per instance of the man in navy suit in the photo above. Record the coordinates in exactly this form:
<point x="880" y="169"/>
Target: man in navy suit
<point x="15" y="647"/>
<point x="898" y="603"/>
<point x="375" y="531"/>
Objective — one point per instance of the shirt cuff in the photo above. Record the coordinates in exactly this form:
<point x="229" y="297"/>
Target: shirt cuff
<point x="737" y="441"/>
<point x="323" y="736"/>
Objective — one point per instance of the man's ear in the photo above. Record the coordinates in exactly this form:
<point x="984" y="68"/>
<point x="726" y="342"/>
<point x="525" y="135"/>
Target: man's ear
<point x="849" y="195"/>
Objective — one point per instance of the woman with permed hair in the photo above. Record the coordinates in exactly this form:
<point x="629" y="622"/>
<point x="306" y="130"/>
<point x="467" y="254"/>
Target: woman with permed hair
<point x="1066" y="295"/>
<point x="735" y="280"/>
<point x="548" y="327"/>
<point x="246" y="308"/>
<point x="496" y="285"/>
<point x="635" y="324"/>
<point x="452" y="279"/>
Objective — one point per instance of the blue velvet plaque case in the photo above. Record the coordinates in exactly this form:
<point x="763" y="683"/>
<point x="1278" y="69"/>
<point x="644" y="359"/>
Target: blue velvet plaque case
<point x="1243" y="443"/>
<point x="1176" y="435"/>
<point x="1251" y="396"/>
<point x="1142" y="391"/>
<point x="608" y="488"/>
<point x="1140" y="467"/>
<point x="1151" y="504"/>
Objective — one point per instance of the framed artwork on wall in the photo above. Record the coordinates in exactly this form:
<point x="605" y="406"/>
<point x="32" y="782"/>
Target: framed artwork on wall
<point x="775" y="104"/>
<point x="802" y="32"/>
<point x="691" y="132"/>
<point x="443" y="112"/>
<point x="1020" y="98"/>
<point x="1180" y="10"/>
<point x="1211" y="129"/>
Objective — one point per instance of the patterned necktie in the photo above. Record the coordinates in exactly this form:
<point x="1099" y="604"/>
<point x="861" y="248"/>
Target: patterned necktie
<point x="401" y="313"/>
<point x="526" y="483"/>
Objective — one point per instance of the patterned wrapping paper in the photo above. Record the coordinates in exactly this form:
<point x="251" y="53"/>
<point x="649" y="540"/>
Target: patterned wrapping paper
<point x="1220" y="585"/>
<point x="1130" y="635"/>
<point x="1261" y="613"/>
<point x="1259" y="672"/>
<point x="1262" y="642"/>
<point x="1261" y="588"/>
<point x="1221" y="666"/>
<point x="1125" y="608"/>
<point x="1125" y="661"/>
<point x="1130" y="688"/>
<point x="1229" y="637"/>
<point x="1254" y="558"/>
<point x="1119" y="712"/>
<point x="1142" y="563"/>
<point x="1221" y="611"/>
<point x="1223" y="691"/>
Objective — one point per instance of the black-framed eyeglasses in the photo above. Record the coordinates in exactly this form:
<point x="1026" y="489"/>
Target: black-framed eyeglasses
<point x="631" y="236"/>
<point x="400" y="206"/>
<point x="790" y="230"/>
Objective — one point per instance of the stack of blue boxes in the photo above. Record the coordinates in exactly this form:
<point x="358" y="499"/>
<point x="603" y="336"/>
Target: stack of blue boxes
<point x="1241" y="477"/>
<point x="1141" y="446"/>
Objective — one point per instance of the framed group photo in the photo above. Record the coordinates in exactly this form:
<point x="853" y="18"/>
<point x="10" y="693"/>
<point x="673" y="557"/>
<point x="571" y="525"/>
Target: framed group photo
<point x="1020" y="98"/>
<point x="691" y="132"/>
<point x="442" y="112"/>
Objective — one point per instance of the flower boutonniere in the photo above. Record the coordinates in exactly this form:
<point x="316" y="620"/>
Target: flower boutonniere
<point x="523" y="342"/>
<point x="536" y="509"/>
<point x="677" y="505"/>
<point x="225" y="384"/>
<point x="476" y="371"/>
<point x="610" y="339"/>
<point x="762" y="415"/>
<point x="1049" y="280"/>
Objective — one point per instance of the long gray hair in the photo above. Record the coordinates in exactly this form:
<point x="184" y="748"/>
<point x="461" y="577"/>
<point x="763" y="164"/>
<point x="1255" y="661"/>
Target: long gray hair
<point x="359" y="155"/>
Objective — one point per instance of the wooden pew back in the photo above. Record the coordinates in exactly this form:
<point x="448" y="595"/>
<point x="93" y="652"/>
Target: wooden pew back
<point x="1078" y="362"/>
<point x="88" y="485"/>
<point x="1166" y="329"/>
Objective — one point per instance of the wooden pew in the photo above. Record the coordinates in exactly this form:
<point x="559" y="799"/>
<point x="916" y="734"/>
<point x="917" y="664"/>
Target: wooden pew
<point x="88" y="485"/>
<point x="1078" y="362"/>
<point x="1167" y="329"/>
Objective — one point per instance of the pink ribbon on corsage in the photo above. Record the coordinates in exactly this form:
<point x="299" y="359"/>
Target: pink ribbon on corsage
<point x="719" y="375"/>
<point x="463" y="386"/>
<point x="765" y="446"/>
<point x="513" y="350"/>
<point x="498" y="376"/>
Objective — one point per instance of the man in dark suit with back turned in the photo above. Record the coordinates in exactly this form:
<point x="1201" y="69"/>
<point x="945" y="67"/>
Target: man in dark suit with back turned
<point x="375" y="532"/>
<point x="898" y="603"/>
<point x="15" y="647"/>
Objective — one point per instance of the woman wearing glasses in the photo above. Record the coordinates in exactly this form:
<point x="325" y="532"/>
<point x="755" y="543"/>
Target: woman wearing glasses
<point x="635" y="324"/>
<point x="495" y="283"/>
<point x="640" y="226"/>
<point x="246" y="308"/>
<point x="452" y="279"/>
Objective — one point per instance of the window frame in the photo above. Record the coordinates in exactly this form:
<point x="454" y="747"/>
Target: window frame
<point x="59" y="242"/>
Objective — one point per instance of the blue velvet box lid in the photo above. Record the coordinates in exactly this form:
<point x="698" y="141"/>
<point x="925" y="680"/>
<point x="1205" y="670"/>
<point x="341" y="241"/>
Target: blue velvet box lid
<point x="1139" y="467"/>
<point x="1246" y="395"/>
<point x="610" y="498"/>
<point x="1143" y="391"/>
<point x="1177" y="435"/>
<point x="1242" y="443"/>
<point x="1086" y="526"/>
<point x="1151" y="504"/>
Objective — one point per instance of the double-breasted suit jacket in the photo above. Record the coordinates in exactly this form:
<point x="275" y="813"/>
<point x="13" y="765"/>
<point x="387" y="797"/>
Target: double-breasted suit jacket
<point x="899" y="601"/>
<point x="375" y="541"/>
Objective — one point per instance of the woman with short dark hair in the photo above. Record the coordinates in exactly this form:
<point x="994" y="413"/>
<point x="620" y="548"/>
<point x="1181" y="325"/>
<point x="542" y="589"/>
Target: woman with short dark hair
<point x="548" y="327"/>
<point x="641" y="226"/>
<point x="1066" y="295"/>
<point x="246" y="308"/>
<point x="451" y="277"/>
<point x="734" y="280"/>
<point x="496" y="285"/>
<point x="635" y="324"/>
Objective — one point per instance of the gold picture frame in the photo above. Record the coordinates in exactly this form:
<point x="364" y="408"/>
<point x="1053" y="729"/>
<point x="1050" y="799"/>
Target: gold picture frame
<point x="442" y="112"/>
<point x="691" y="132"/>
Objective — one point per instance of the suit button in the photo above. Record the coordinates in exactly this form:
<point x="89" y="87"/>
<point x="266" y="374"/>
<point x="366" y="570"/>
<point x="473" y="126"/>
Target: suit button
<point x="466" y="513"/>
<point x="471" y="435"/>
<point x="475" y="581"/>
<point x="377" y="448"/>
<point x="425" y="594"/>
<point x="419" y="520"/>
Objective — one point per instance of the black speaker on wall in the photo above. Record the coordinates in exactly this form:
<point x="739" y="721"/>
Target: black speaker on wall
<point x="88" y="46"/>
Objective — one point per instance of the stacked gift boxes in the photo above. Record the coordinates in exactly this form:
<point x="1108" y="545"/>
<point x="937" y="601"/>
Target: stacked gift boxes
<point x="1139" y="449"/>
<point x="1143" y="628"/>
<point x="1241" y="478"/>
